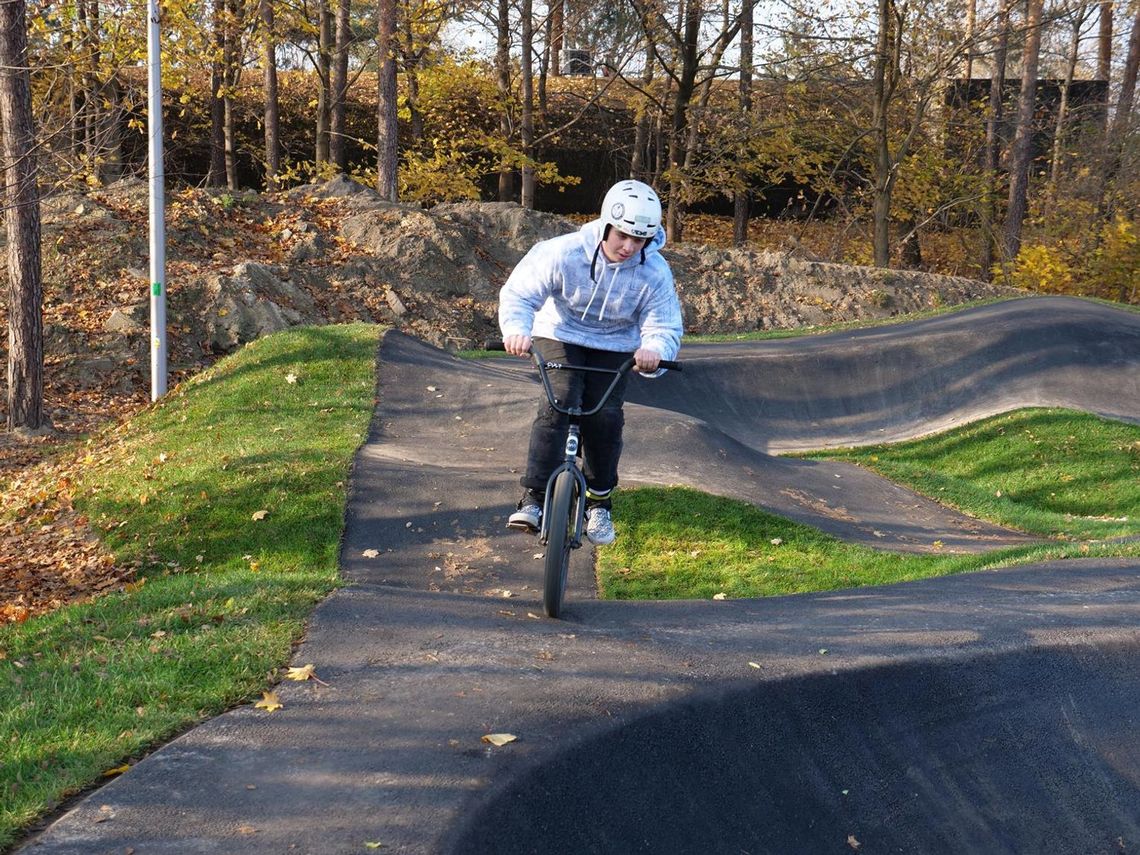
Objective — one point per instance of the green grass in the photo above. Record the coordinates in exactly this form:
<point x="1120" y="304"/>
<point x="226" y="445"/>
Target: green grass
<point x="223" y="597"/>
<point x="678" y="543"/>
<point x="1064" y="475"/>
<point x="1052" y="472"/>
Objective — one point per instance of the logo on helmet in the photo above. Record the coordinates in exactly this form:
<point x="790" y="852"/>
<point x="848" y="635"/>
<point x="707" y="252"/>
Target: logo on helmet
<point x="617" y="211"/>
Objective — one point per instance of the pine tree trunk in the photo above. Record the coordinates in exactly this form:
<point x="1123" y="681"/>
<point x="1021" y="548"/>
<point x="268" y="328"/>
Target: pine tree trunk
<point x="1079" y="16"/>
<point x="216" y="177"/>
<point x="22" y="221"/>
<point x="678" y="137"/>
<point x="387" y="149"/>
<point x="503" y="77"/>
<point x="272" y="105"/>
<point x="883" y="172"/>
<point x="557" y="35"/>
<point x="741" y="195"/>
<point x="992" y="157"/>
<point x="1128" y="83"/>
<point x="338" y="149"/>
<point x="527" y="51"/>
<point x="231" y="63"/>
<point x="639" y="162"/>
<point x="324" y="73"/>
<point x="1021" y="150"/>
<point x="1104" y="43"/>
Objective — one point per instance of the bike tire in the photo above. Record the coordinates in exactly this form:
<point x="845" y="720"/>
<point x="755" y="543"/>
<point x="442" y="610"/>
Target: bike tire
<point x="560" y="535"/>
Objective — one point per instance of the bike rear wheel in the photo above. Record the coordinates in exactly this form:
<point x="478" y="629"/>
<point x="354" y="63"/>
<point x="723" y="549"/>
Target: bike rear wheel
<point x="560" y="536"/>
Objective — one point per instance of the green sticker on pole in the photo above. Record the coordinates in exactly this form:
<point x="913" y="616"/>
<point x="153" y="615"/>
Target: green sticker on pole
<point x="156" y="289"/>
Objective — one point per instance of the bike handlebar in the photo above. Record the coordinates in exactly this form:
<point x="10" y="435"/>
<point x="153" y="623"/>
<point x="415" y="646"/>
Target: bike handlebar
<point x="664" y="363"/>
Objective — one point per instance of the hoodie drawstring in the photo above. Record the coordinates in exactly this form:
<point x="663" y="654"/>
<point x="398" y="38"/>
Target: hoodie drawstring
<point x="609" y="290"/>
<point x="594" y="260"/>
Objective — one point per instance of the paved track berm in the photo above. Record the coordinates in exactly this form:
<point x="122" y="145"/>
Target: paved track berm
<point x="986" y="712"/>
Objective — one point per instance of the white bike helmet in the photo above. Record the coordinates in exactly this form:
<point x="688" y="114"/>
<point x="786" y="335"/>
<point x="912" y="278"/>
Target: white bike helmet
<point x="632" y="208"/>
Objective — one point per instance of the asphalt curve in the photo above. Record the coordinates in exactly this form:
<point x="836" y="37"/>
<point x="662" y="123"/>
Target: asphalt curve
<point x="986" y="712"/>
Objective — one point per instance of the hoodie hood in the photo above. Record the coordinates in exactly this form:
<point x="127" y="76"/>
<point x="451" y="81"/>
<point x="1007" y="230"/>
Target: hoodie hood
<point x="590" y="236"/>
<point x="566" y="289"/>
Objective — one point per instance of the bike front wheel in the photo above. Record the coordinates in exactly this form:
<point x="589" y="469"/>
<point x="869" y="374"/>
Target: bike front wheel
<point x="560" y="537"/>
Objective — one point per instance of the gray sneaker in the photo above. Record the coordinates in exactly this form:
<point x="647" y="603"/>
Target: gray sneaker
<point x="528" y="517"/>
<point x="600" y="526"/>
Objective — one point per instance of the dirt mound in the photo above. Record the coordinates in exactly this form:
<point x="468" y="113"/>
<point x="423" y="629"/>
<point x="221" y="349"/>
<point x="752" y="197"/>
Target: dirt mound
<point x="242" y="265"/>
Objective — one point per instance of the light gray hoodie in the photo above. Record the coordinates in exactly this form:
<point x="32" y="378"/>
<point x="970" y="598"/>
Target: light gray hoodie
<point x="566" y="289"/>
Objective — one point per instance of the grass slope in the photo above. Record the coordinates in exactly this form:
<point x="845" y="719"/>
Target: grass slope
<point x="1061" y="474"/>
<point x="223" y="595"/>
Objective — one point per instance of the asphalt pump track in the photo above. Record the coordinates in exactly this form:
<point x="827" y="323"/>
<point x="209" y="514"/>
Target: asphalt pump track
<point x="986" y="712"/>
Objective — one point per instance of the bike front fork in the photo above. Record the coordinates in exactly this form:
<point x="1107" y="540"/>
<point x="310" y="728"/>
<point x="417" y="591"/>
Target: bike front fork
<point x="577" y="509"/>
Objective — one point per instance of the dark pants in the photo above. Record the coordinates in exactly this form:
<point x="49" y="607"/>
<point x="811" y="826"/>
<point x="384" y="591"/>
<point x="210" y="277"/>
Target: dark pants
<point x="601" y="432"/>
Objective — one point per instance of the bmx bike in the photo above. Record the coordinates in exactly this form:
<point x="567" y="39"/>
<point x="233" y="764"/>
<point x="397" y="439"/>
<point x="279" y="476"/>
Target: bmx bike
<point x="564" y="509"/>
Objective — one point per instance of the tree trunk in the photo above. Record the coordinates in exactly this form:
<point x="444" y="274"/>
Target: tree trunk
<point x="22" y="221"/>
<point x="412" y="56"/>
<point x="992" y="157"/>
<point x="503" y="76"/>
<point x="231" y="62"/>
<point x="639" y="162"/>
<point x="1079" y="16"/>
<point x="387" y="151"/>
<point x="1021" y="150"/>
<point x="557" y="34"/>
<point x="741" y="194"/>
<point x="544" y="67"/>
<point x="971" y="31"/>
<point x="527" y="71"/>
<point x="324" y="75"/>
<point x="272" y="105"/>
<point x="1128" y="84"/>
<point x="883" y="90"/>
<point x="78" y="84"/>
<point x="338" y="149"/>
<point x="110" y="133"/>
<point x="678" y="137"/>
<point x="92" y="120"/>
<point x="216" y="177"/>
<point x="1104" y="43"/>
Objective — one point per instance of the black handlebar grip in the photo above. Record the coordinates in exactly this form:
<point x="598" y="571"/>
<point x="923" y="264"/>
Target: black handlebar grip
<point x="493" y="345"/>
<point x="667" y="363"/>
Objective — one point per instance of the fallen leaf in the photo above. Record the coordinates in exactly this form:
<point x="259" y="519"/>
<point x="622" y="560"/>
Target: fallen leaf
<point x="823" y="651"/>
<point x="305" y="672"/>
<point x="290" y="378"/>
<point x="105" y="813"/>
<point x="246" y="829"/>
<point x="269" y="702"/>
<point x="370" y="553"/>
<point x="754" y="664"/>
<point x="260" y="515"/>
<point x="721" y="596"/>
<point x="373" y="844"/>
<point x="118" y="770"/>
<point x="852" y="842"/>
<point x="776" y="541"/>
<point x="499" y="739"/>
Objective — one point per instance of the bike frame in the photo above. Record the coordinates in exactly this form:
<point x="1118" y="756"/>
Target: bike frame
<point x="573" y="439"/>
<point x="571" y="508"/>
